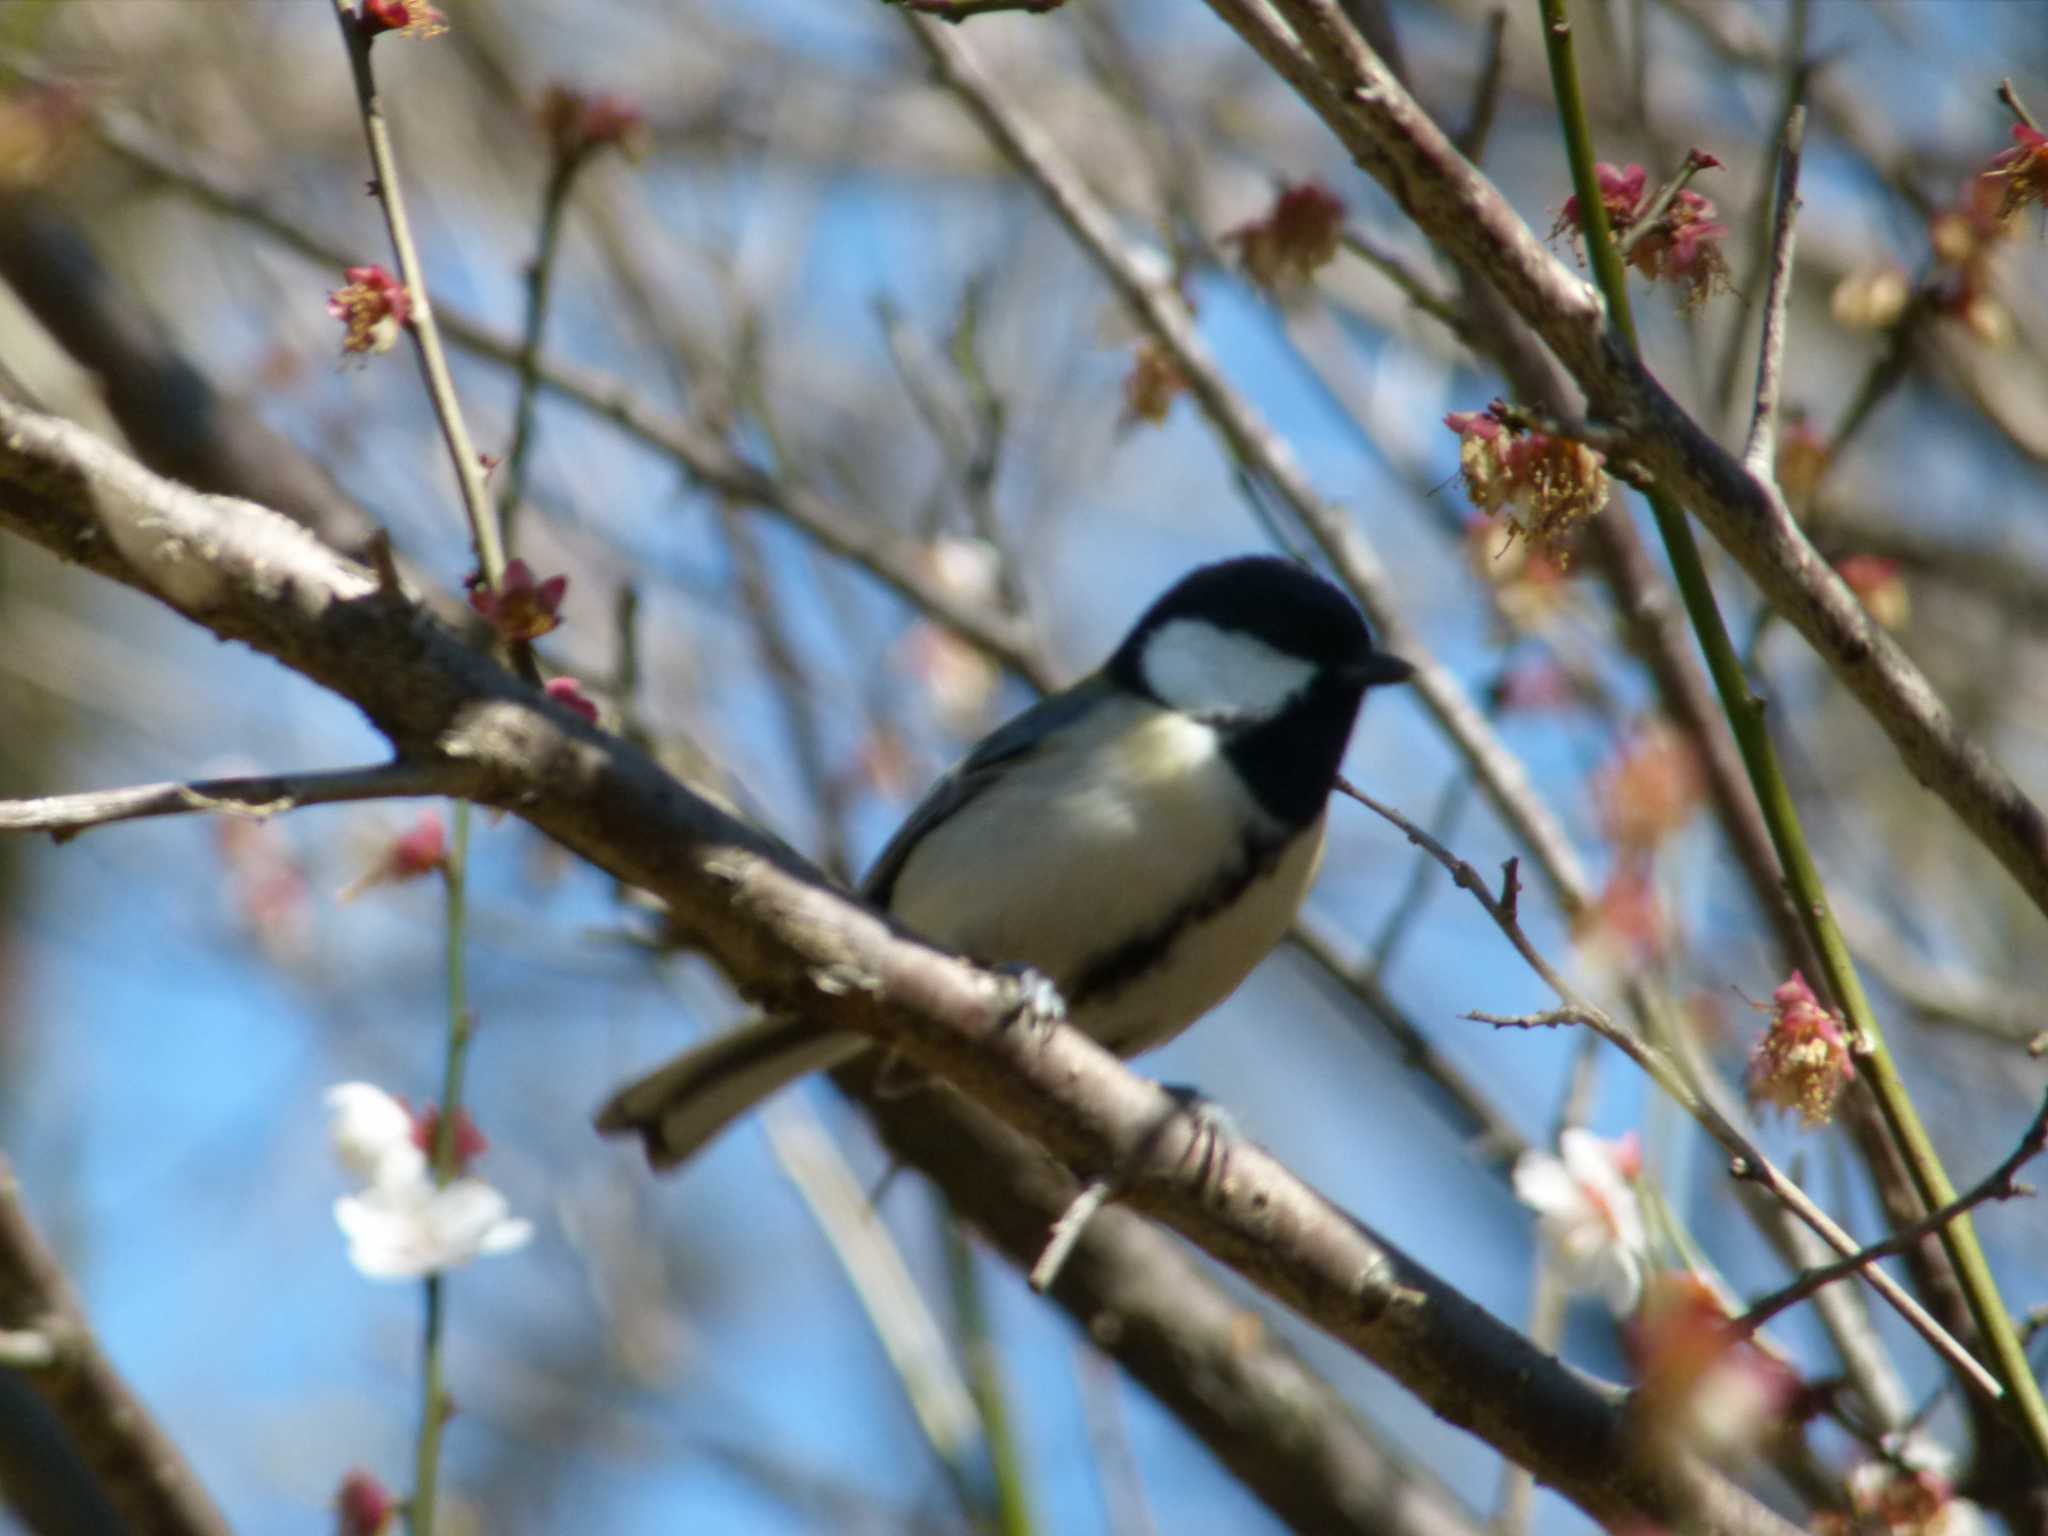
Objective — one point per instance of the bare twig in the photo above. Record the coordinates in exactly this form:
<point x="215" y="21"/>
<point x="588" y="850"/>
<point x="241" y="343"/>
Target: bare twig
<point x="1761" y="451"/>
<point x="2000" y="1184"/>
<point x="1066" y="1232"/>
<point x="469" y="474"/>
<point x="65" y="816"/>
<point x="1395" y="269"/>
<point x="562" y="172"/>
<point x="136" y="1464"/>
<point x="1478" y="127"/>
<point x="1748" y="1162"/>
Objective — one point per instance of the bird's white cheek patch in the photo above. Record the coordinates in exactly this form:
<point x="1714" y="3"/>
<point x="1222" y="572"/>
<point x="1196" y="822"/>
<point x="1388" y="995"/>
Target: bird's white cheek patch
<point x="1202" y="670"/>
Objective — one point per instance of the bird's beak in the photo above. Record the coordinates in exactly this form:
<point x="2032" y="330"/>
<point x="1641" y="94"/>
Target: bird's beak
<point x="1380" y="669"/>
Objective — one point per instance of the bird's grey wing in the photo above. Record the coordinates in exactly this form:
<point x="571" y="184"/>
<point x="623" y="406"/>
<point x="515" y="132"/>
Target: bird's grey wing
<point x="1001" y="748"/>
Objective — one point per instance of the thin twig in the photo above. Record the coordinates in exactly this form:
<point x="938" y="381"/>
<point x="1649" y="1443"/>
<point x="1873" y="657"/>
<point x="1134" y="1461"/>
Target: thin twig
<point x="1471" y="140"/>
<point x="539" y="288"/>
<point x="1414" y="287"/>
<point x="1761" y="451"/>
<point x="1066" y="1232"/>
<point x="469" y="474"/>
<point x="2000" y="1184"/>
<point x="65" y="816"/>
<point x="1747" y="1160"/>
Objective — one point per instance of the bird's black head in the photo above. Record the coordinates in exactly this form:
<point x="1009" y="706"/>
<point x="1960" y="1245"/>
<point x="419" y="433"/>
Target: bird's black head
<point x="1272" y="655"/>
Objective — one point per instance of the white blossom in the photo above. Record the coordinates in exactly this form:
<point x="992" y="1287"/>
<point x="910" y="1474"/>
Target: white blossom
<point x="1587" y="1215"/>
<point x="403" y="1225"/>
<point x="372" y="1134"/>
<point x="406" y="1231"/>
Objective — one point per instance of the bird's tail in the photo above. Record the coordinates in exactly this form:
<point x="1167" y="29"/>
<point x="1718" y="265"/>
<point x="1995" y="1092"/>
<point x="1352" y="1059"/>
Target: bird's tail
<point x="675" y="1109"/>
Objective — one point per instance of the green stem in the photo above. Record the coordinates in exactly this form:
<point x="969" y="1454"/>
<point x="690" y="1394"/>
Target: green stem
<point x="427" y="1454"/>
<point x="433" y="1398"/>
<point x="1746" y="717"/>
<point x="985" y="1383"/>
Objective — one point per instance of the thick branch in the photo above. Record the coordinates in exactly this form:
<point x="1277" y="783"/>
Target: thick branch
<point x="789" y="939"/>
<point x="139" y="1469"/>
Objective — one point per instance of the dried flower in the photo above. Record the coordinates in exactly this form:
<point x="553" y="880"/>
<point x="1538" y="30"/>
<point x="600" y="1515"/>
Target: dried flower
<point x="1153" y="384"/>
<point x="1622" y="194"/>
<point x="577" y="124"/>
<point x="567" y="692"/>
<point x="520" y="608"/>
<point x="372" y="307"/>
<point x="1544" y="486"/>
<point x="1902" y="1498"/>
<point x="1650" y="788"/>
<point x="1968" y="237"/>
<point x="1701" y="1384"/>
<point x="1880" y="586"/>
<point x="413" y="18"/>
<point x="1299" y="234"/>
<point x="1683" y="247"/>
<point x="1802" y="459"/>
<point x="422" y="849"/>
<point x="2022" y="171"/>
<point x="1871" y="297"/>
<point x="1802" y="1059"/>
<point x="1530" y="584"/>
<point x="1627" y="928"/>
<point x="363" y="1506"/>
<point x="1587" y="1214"/>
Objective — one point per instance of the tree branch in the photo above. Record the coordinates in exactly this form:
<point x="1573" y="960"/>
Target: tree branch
<point x="1760" y="453"/>
<point x="2000" y="1184"/>
<point x="140" y="1470"/>
<point x="1458" y="208"/>
<point x="1748" y="1161"/>
<point x="788" y="939"/>
<point x="65" y="816"/>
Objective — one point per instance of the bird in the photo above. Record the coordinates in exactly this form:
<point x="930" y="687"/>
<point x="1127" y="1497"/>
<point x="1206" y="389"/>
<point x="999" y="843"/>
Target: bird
<point x="1140" y="839"/>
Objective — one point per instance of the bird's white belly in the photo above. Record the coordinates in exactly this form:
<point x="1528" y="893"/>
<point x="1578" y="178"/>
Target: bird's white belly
<point x="1139" y="837"/>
